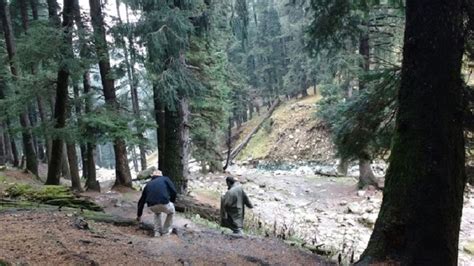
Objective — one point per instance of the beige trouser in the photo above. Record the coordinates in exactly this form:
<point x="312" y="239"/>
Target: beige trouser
<point x="168" y="209"/>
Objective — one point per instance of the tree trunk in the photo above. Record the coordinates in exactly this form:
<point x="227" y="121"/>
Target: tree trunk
<point x="60" y="109"/>
<point x="342" y="167"/>
<point x="34" y="9"/>
<point x="134" y="160"/>
<point x="122" y="170"/>
<point x="53" y="8"/>
<point x="31" y="162"/>
<point x="161" y="129"/>
<point x="366" y="175"/>
<point x="420" y="217"/>
<point x="24" y="14"/>
<point x="72" y="157"/>
<point x="65" y="169"/>
<point x="228" y="143"/>
<point x="44" y="120"/>
<point x="130" y="63"/>
<point x="175" y="161"/>
<point x="7" y="144"/>
<point x="91" y="182"/>
<point x="16" y="159"/>
<point x="88" y="166"/>
<point x="3" y="151"/>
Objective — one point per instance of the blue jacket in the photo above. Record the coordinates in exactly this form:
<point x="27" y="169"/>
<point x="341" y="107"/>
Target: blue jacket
<point x="160" y="190"/>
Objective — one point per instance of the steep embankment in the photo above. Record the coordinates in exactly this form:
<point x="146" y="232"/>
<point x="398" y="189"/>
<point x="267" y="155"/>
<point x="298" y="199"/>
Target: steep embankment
<point x="293" y="133"/>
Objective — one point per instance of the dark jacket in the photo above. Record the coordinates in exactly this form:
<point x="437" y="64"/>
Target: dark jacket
<point x="233" y="203"/>
<point x="160" y="190"/>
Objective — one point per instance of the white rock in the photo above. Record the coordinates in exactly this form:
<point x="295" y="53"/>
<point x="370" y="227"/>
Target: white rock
<point x="361" y="193"/>
<point x="343" y="203"/>
<point x="355" y="208"/>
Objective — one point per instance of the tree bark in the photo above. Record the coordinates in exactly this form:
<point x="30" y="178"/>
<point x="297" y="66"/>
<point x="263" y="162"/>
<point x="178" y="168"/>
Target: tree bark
<point x="420" y="217"/>
<point x="60" y="109"/>
<point x="34" y="9"/>
<point x="175" y="161"/>
<point x="65" y="170"/>
<point x="72" y="158"/>
<point x="161" y="129"/>
<point x="122" y="170"/>
<point x="366" y="175"/>
<point x="3" y="151"/>
<point x="24" y="14"/>
<point x="91" y="182"/>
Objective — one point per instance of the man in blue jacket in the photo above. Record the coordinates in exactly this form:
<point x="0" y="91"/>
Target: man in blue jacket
<point x="159" y="194"/>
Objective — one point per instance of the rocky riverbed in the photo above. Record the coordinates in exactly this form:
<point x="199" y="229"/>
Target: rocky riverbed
<point x="327" y="212"/>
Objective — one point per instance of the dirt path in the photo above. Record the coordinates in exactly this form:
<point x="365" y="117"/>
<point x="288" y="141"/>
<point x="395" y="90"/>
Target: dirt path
<point x="43" y="237"/>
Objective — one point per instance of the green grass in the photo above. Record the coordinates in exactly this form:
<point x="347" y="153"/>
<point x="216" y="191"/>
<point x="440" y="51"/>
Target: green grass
<point x="258" y="147"/>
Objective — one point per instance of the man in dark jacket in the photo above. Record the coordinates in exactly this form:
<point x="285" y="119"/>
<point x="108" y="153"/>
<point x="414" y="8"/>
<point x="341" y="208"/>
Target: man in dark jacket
<point x="233" y="204"/>
<point x="159" y="194"/>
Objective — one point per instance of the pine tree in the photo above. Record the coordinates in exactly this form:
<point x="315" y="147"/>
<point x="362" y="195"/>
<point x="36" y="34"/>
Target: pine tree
<point x="122" y="170"/>
<point x="422" y="204"/>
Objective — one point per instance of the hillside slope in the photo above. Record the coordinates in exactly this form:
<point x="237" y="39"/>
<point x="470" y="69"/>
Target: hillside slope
<point x="292" y="134"/>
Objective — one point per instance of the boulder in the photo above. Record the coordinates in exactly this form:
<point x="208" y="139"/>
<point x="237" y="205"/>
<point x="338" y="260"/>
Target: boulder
<point x="368" y="219"/>
<point x="469" y="247"/>
<point x="355" y="208"/>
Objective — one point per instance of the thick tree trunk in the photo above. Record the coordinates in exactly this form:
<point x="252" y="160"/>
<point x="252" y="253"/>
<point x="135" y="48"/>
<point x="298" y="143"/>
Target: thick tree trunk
<point x="161" y="129"/>
<point x="420" y="217"/>
<point x="175" y="161"/>
<point x="122" y="170"/>
<point x="58" y="157"/>
<point x="72" y="158"/>
<point x="91" y="182"/>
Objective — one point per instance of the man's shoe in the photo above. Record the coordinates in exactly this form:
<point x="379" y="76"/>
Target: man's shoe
<point x="167" y="233"/>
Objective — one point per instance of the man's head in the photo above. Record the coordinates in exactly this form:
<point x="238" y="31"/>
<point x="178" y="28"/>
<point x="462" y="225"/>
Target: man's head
<point x="230" y="181"/>
<point x="157" y="173"/>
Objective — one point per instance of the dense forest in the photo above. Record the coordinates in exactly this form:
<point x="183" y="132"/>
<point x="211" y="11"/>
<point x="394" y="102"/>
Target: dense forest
<point x="106" y="84"/>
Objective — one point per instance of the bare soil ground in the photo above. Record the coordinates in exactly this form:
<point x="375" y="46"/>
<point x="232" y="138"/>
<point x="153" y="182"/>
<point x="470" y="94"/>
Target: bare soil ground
<point x="50" y="237"/>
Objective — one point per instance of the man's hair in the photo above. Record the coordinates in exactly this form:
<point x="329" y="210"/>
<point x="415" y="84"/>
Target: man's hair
<point x="157" y="173"/>
<point x="230" y="180"/>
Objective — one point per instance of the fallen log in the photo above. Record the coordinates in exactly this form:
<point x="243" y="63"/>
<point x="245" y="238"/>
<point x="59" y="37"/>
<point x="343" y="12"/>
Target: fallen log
<point x="247" y="139"/>
<point x="187" y="204"/>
